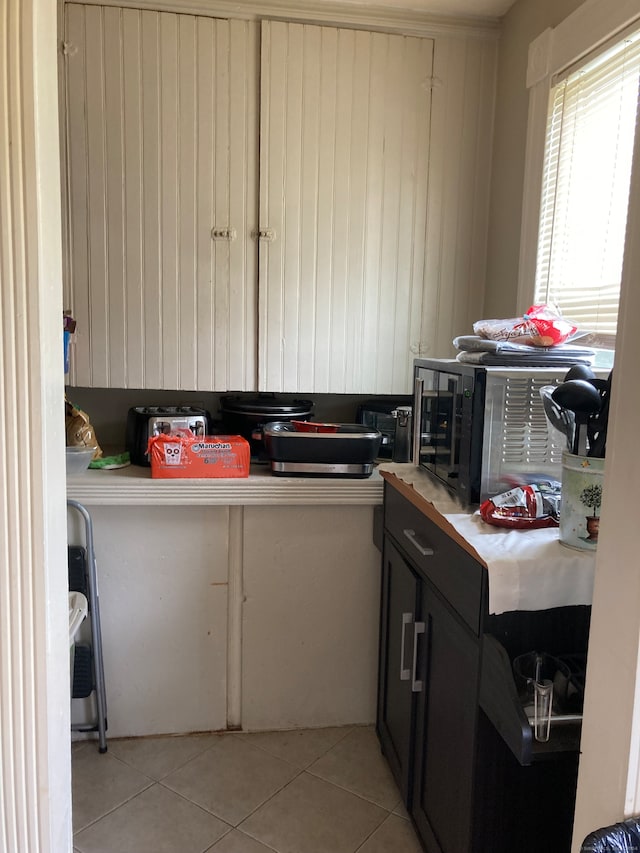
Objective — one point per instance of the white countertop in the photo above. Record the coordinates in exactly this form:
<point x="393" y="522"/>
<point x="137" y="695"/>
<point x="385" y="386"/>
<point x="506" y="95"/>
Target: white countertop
<point x="133" y="486"/>
<point x="528" y="569"/>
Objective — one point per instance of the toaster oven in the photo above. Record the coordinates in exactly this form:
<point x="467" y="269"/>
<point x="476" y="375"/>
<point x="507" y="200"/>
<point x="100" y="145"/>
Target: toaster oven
<point x="475" y="429"/>
<point x="143" y="422"/>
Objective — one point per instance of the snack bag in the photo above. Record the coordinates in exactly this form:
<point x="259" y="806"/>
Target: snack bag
<point x="522" y="508"/>
<point x="79" y="431"/>
<point x="551" y="328"/>
<point x="541" y="326"/>
<point x="515" y="330"/>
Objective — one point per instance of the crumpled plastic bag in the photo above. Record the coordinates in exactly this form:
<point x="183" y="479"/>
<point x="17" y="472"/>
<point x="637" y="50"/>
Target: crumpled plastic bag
<point x="78" y="429"/>
<point x="525" y="507"/>
<point x="623" y="837"/>
<point x="541" y="326"/>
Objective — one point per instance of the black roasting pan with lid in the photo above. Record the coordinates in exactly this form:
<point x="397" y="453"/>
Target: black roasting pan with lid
<point x="349" y="444"/>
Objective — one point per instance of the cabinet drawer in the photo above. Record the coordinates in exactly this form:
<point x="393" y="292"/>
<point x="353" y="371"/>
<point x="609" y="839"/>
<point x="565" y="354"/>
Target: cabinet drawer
<point x="456" y="575"/>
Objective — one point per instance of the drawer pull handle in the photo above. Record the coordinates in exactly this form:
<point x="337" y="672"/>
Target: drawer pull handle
<point x="405" y="674"/>
<point x="416" y="686"/>
<point x="413" y="538"/>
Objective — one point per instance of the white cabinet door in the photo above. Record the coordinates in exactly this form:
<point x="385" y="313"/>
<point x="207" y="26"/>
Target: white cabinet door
<point x="161" y="150"/>
<point x="310" y="617"/>
<point x="162" y="574"/>
<point x="344" y="168"/>
<point x="375" y="163"/>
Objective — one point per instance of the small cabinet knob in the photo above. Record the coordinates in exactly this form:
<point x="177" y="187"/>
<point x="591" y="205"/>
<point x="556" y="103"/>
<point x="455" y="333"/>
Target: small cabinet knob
<point x="223" y="234"/>
<point x="267" y="234"/>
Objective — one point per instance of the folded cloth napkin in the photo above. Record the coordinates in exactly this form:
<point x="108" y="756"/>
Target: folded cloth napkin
<point x="510" y="359"/>
<point x="475" y="343"/>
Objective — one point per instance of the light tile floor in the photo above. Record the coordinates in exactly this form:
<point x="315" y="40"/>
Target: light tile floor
<point x="305" y="791"/>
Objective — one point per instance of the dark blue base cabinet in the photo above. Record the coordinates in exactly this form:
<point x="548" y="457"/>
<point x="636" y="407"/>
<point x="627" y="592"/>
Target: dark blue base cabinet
<point x="449" y="719"/>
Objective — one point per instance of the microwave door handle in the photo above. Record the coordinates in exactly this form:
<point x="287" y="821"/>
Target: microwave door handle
<point x="452" y="458"/>
<point x="417" y="419"/>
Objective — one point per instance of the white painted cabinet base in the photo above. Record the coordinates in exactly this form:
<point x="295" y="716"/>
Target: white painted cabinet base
<point x="162" y="576"/>
<point x="215" y="616"/>
<point x="310" y="617"/>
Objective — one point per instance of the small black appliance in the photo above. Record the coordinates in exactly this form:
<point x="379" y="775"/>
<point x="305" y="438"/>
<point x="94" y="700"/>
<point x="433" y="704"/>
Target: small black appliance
<point x="246" y="415"/>
<point x="143" y="422"/>
<point x="377" y="414"/>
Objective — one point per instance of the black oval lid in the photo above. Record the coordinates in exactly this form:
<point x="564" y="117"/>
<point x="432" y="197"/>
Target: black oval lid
<point x="265" y="404"/>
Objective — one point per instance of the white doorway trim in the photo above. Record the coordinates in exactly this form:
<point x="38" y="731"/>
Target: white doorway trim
<point x="35" y="769"/>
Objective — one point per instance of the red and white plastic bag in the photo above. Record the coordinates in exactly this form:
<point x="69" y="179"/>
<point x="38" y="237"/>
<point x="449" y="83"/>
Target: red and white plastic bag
<point x="521" y="508"/>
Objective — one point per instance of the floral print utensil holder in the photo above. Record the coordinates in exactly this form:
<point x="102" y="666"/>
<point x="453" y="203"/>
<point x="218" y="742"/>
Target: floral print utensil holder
<point x="582" y="478"/>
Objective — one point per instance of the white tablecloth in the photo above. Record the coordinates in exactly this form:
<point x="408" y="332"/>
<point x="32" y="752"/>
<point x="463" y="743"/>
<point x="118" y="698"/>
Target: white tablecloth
<point x="528" y="569"/>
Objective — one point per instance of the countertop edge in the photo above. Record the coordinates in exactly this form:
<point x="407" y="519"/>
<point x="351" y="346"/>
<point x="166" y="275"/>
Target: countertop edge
<point x="128" y="487"/>
<point x="429" y="510"/>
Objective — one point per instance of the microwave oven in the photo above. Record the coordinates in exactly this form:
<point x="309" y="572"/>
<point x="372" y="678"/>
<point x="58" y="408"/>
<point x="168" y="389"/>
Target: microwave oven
<point x="476" y="429"/>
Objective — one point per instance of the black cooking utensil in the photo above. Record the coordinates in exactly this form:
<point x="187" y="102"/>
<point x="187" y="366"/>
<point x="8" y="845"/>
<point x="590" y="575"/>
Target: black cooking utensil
<point x="594" y="422"/>
<point x="579" y="371"/>
<point x="598" y="445"/>
<point x="559" y="418"/>
<point x="580" y="397"/>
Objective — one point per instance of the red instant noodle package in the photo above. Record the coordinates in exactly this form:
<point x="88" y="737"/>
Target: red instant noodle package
<point x="182" y="454"/>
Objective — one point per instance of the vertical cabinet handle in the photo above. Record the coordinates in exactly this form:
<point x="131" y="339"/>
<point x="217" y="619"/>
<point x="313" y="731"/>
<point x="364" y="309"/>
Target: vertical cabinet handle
<point x="412" y="536"/>
<point x="418" y="390"/>
<point x="407" y="619"/>
<point x="416" y="686"/>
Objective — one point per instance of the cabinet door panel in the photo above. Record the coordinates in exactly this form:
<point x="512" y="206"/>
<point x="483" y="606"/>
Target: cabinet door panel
<point x="164" y="616"/>
<point x="446" y="730"/>
<point x="309" y="617"/>
<point x="460" y="579"/>
<point x="161" y="148"/>
<point x="399" y="611"/>
<point x="344" y="166"/>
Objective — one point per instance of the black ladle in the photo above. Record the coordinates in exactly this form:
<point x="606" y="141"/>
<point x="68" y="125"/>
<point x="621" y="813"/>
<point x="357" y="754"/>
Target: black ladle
<point x="599" y="419"/>
<point x="579" y="371"/>
<point x="579" y="396"/>
<point x="558" y="417"/>
<point x="598" y="446"/>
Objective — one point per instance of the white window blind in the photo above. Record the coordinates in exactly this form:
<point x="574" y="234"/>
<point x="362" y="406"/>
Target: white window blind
<point x="585" y="190"/>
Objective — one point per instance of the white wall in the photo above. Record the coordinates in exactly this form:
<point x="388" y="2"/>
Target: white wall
<point x="521" y="25"/>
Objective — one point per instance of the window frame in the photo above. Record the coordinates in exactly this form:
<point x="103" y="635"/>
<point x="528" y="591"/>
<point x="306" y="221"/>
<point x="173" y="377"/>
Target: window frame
<point x="551" y="54"/>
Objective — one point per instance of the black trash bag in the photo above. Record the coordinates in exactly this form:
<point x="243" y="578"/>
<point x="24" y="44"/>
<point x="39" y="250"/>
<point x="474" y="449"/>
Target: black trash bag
<point x="623" y="837"/>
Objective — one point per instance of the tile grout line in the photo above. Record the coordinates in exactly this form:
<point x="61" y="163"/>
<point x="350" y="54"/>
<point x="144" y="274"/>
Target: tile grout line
<point x="246" y="835"/>
<point x="236" y="826"/>
<point x="373" y="831"/>
<point x="355" y="793"/>
<point x="244" y="735"/>
<point x="385" y="817"/>
<point x="115" y="808"/>
<point x="206" y="811"/>
<point x="198" y="806"/>
<point x="178" y="766"/>
<point x="230" y="827"/>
